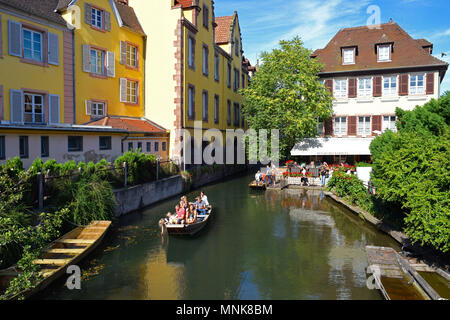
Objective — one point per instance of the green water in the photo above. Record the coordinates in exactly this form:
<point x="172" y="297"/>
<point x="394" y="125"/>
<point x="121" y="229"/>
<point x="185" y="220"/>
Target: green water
<point x="259" y="245"/>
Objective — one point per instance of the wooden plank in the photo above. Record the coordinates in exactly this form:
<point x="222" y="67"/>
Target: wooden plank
<point x="55" y="262"/>
<point x="65" y="251"/>
<point x="76" y="241"/>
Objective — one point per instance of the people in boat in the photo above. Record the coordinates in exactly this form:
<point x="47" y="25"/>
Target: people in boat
<point x="200" y="206"/>
<point x="268" y="178"/>
<point x="191" y="215"/>
<point x="181" y="213"/>
<point x="185" y="202"/>
<point x="205" y="199"/>
<point x="258" y="176"/>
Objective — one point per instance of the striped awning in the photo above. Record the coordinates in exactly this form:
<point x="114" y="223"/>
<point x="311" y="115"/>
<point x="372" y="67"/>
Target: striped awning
<point x="333" y="147"/>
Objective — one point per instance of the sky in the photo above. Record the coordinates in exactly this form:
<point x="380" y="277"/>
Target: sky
<point x="265" y="22"/>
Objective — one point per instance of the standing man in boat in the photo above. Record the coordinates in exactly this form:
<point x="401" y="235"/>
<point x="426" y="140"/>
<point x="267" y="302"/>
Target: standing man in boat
<point x="204" y="199"/>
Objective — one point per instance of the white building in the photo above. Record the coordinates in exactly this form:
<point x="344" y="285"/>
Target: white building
<point x="370" y="72"/>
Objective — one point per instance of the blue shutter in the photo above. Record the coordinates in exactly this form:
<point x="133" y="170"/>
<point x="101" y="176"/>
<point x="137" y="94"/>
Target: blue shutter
<point x="15" y="38"/>
<point x="16" y="106"/>
<point x="53" y="48"/>
<point x="54" y="112"/>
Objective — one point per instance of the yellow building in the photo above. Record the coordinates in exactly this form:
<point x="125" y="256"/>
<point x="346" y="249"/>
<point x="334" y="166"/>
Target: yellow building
<point x="195" y="65"/>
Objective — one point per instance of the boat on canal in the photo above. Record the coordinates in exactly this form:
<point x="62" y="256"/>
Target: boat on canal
<point x="190" y="229"/>
<point x="68" y="250"/>
<point x="257" y="185"/>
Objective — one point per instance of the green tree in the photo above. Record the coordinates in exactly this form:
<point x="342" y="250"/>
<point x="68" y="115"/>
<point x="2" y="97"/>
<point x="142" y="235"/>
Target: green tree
<point x="286" y="94"/>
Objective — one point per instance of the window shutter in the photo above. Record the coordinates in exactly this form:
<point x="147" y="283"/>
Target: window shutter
<point x="15" y="38"/>
<point x="352" y="126"/>
<point x="123" y="90"/>
<point x="377" y="88"/>
<point x="123" y="52"/>
<point x="107" y="21"/>
<point x="430" y="83"/>
<point x="352" y="93"/>
<point x="88" y="13"/>
<point x="110" y="64"/>
<point x="16" y="106"/>
<point x="404" y="78"/>
<point x="376" y="123"/>
<point x="329" y="127"/>
<point x="54" y="109"/>
<point x="1" y="103"/>
<point x="88" y="107"/>
<point x="86" y="58"/>
<point x="329" y="85"/>
<point x="53" y="48"/>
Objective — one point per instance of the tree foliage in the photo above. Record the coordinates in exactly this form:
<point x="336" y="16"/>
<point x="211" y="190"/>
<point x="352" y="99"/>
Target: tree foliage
<point x="286" y="94"/>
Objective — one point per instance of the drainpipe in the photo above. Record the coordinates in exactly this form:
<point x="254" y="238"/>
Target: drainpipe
<point x="73" y="76"/>
<point x="125" y="139"/>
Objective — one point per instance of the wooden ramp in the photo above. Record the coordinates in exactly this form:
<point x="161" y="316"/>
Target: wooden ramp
<point x="395" y="277"/>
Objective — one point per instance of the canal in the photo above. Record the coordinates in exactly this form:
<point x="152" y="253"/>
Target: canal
<point x="260" y="245"/>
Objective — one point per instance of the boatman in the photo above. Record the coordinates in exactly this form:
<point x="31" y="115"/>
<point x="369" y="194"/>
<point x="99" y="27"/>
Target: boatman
<point x="204" y="199"/>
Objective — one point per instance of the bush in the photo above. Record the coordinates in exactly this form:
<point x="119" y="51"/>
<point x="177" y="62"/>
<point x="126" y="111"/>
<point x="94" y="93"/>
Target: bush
<point x="350" y="188"/>
<point x="141" y="167"/>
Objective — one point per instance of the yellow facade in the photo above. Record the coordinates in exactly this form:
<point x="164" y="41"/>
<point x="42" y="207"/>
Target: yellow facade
<point x="18" y="73"/>
<point x="90" y="87"/>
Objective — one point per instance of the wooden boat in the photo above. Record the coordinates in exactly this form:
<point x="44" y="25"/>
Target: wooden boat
<point x="257" y="185"/>
<point x="189" y="229"/>
<point x="68" y="250"/>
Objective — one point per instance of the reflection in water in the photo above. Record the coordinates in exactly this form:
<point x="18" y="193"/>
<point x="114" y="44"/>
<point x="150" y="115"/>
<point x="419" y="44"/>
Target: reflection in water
<point x="259" y="245"/>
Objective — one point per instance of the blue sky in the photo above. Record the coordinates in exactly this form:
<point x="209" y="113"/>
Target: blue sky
<point x="265" y="22"/>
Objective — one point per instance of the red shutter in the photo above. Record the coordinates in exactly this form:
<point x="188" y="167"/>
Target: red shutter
<point x="430" y="83"/>
<point x="404" y="78"/>
<point x="329" y="85"/>
<point x="376" y="123"/>
<point x="377" y="86"/>
<point x="329" y="127"/>
<point x="352" y="126"/>
<point x="352" y="93"/>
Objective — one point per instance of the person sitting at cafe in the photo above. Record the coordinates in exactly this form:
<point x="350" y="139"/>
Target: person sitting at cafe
<point x="304" y="178"/>
<point x="181" y="213"/>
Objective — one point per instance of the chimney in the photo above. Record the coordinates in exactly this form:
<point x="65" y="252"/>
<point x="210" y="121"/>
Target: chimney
<point x="125" y="2"/>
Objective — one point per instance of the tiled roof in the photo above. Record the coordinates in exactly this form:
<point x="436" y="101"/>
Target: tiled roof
<point x="131" y="125"/>
<point x="40" y="8"/>
<point x="424" y="43"/>
<point x="223" y="29"/>
<point x="129" y="17"/>
<point x="407" y="51"/>
<point x="185" y="3"/>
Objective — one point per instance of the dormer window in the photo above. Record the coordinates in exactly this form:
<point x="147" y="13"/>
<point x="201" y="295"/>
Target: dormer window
<point x="384" y="53"/>
<point x="348" y="55"/>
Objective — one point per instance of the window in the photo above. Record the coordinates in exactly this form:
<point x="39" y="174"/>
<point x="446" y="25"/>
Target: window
<point x="242" y="121"/>
<point x="365" y="87"/>
<point x="384" y="53"/>
<point x="156" y="146"/>
<point x="243" y="81"/>
<point x="132" y="54"/>
<point x="2" y="148"/>
<point x="132" y="91"/>
<point x="205" y="60"/>
<point x="340" y="88"/>
<point x="97" y="62"/>
<point x="216" y="108"/>
<point x="164" y="146"/>
<point x="23" y="147"/>
<point x="191" y="102"/>
<point x="364" y="126"/>
<point x="320" y="128"/>
<point x="191" y="53"/>
<point x="130" y="146"/>
<point x="348" y="56"/>
<point x="32" y="45"/>
<point x="390" y="86"/>
<point x="236" y="114"/>
<point x="105" y="143"/>
<point x="416" y="84"/>
<point x="236" y="47"/>
<point x="205" y="105"/>
<point x="97" y="109"/>
<point x="340" y="126"/>
<point x="45" y="147"/>
<point x="216" y="66"/>
<point x="205" y="16"/>
<point x="236" y="79"/>
<point x="97" y="18"/>
<point x="229" y="75"/>
<point x="75" y="143"/>
<point x="33" y="108"/>
<point x="139" y="146"/>
<point x="229" y="112"/>
<point x="149" y="147"/>
<point x="389" y="122"/>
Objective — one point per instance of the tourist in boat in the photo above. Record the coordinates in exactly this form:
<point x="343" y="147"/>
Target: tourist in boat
<point x="268" y="178"/>
<point x="185" y="202"/>
<point x="191" y="215"/>
<point x="181" y="213"/>
<point x="200" y="205"/>
<point x="205" y="199"/>
<point x="258" y="177"/>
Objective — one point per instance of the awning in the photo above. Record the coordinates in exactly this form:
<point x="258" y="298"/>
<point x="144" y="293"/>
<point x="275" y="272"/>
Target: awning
<point x="332" y="147"/>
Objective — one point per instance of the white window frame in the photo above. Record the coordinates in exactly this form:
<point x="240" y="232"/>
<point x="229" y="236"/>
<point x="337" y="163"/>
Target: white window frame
<point x="384" y="58"/>
<point x="417" y="90"/>
<point x="33" y="112"/>
<point x="345" y="56"/>
<point x="389" y="122"/>
<point x="340" y="126"/>
<point x="95" y="61"/>
<point x="95" y="14"/>
<point x="34" y="46"/>
<point x="366" y="128"/>
<point x="132" y="50"/>
<point x="342" y="93"/>
<point x="96" y="107"/>
<point x="366" y="90"/>
<point x="132" y="91"/>
<point x="390" y="91"/>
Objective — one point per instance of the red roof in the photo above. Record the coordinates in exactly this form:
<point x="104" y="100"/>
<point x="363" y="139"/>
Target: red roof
<point x="131" y="125"/>
<point x="407" y="52"/>
<point x="223" y="29"/>
<point x="185" y="3"/>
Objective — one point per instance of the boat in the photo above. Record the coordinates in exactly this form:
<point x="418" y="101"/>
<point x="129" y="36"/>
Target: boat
<point x="189" y="229"/>
<point x="257" y="185"/>
<point x="68" y="250"/>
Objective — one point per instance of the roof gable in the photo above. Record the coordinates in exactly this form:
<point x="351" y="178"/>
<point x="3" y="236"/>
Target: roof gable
<point x="40" y="8"/>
